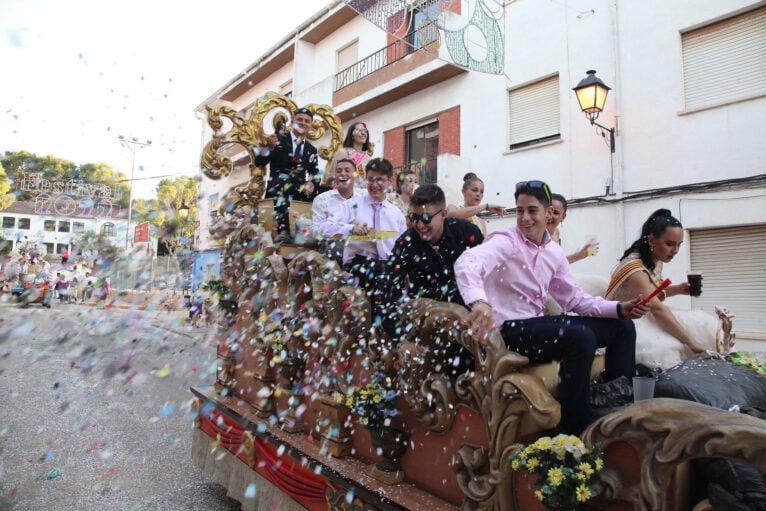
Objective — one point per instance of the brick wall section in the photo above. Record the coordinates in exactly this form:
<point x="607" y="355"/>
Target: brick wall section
<point x="449" y="131"/>
<point x="393" y="146"/>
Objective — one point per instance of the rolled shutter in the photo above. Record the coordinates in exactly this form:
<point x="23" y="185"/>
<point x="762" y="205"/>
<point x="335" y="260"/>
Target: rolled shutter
<point x="533" y="111"/>
<point x="732" y="261"/>
<point x="725" y="61"/>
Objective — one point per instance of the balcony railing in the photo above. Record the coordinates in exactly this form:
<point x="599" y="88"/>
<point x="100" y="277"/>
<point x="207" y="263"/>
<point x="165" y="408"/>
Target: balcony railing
<point x="410" y="43"/>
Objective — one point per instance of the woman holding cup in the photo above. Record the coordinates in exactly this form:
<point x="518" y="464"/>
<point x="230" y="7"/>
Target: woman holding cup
<point x="666" y="336"/>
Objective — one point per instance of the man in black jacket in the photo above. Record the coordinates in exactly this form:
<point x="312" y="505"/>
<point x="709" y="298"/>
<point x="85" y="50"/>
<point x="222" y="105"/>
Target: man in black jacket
<point x="423" y="259"/>
<point x="293" y="167"/>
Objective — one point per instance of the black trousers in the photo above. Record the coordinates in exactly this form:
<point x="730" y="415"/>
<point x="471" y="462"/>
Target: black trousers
<point x="284" y="188"/>
<point x="573" y="340"/>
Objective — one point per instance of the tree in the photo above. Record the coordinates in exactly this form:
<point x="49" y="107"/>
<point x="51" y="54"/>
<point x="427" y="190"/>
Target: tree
<point x="6" y="199"/>
<point x="55" y="169"/>
<point x="96" y="247"/>
<point x="175" y="232"/>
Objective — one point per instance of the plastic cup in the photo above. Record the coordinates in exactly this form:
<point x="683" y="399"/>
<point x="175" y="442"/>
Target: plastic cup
<point x="643" y="388"/>
<point x="695" y="283"/>
<point x="592" y="239"/>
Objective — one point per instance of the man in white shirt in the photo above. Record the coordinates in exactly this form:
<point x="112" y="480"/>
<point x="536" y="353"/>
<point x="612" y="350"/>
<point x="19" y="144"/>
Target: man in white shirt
<point x="365" y="215"/>
<point x="328" y="203"/>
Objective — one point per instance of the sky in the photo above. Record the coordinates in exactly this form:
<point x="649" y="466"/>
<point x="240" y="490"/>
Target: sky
<point x="76" y="75"/>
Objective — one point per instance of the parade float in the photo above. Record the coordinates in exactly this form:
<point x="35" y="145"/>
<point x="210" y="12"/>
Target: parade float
<point x="314" y="408"/>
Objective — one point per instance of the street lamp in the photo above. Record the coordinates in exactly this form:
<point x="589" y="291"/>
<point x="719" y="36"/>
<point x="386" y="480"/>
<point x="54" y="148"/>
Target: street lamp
<point x="131" y="144"/>
<point x="183" y="211"/>
<point x="591" y="94"/>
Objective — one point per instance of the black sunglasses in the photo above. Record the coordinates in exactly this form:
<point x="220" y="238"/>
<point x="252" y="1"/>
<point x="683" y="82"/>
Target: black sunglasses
<point x="535" y="184"/>
<point x="425" y="217"/>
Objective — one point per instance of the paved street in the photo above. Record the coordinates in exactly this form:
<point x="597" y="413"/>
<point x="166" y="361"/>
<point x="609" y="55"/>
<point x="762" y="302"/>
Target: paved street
<point x="96" y="410"/>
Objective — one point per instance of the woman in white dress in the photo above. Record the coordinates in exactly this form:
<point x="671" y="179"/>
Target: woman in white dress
<point x="665" y="336"/>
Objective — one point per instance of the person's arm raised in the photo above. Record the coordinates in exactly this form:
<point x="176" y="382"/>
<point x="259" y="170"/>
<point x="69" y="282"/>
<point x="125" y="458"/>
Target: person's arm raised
<point x="640" y="284"/>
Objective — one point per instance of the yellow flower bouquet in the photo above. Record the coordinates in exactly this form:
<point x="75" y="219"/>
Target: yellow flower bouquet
<point x="374" y="403"/>
<point x="566" y="469"/>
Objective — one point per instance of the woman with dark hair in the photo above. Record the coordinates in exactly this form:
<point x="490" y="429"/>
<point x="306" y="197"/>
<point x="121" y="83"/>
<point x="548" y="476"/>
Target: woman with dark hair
<point x="356" y="147"/>
<point x="667" y="336"/>
<point x="473" y="194"/>
<point x="406" y="183"/>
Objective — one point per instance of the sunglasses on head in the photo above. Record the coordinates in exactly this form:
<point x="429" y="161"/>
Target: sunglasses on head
<point x="535" y="184"/>
<point x="425" y="217"/>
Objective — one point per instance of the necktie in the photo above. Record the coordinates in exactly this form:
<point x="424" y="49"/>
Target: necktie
<point x="376" y="206"/>
<point x="299" y="150"/>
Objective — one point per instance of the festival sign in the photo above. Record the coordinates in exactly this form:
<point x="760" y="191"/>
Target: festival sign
<point x="141" y="233"/>
<point x="58" y="197"/>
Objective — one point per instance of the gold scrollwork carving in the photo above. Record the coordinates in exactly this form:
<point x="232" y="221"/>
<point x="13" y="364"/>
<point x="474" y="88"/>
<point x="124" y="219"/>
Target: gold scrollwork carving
<point x="249" y="134"/>
<point x="248" y="445"/>
<point x="667" y="432"/>
<point x="496" y="390"/>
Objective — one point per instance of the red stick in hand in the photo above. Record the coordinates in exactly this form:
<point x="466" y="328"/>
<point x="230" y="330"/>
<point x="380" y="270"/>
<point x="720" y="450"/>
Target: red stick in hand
<point x="665" y="283"/>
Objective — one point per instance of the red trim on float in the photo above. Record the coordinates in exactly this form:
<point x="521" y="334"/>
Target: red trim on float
<point x="283" y="471"/>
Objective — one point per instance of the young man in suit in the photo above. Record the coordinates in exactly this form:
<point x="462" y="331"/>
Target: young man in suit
<point x="293" y="167"/>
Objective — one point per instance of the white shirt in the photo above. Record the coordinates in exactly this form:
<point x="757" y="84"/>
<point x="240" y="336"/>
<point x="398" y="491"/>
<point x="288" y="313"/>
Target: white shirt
<point x="327" y="203"/>
<point x="359" y="210"/>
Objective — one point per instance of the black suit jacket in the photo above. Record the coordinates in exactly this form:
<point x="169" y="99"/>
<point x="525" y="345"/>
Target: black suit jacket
<point x="281" y="160"/>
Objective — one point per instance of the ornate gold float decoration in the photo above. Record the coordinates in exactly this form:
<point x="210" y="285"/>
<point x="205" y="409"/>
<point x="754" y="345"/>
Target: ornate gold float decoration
<point x="249" y="134"/>
<point x="667" y="432"/>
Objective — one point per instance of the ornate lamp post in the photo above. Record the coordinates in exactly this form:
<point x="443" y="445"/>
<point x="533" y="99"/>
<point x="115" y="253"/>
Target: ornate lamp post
<point x="591" y="94"/>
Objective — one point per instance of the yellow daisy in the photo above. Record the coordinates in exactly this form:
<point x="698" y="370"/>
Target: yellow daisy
<point x="586" y="469"/>
<point x="539" y="495"/>
<point x="599" y="463"/>
<point x="555" y="476"/>
<point x="583" y="493"/>
<point x="532" y="463"/>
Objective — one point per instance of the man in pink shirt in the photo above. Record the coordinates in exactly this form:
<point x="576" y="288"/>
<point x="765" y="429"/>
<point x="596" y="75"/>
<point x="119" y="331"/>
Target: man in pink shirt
<point x="505" y="282"/>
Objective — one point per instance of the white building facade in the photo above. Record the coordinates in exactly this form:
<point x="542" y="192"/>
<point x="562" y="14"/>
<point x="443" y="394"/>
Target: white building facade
<point x="26" y="222"/>
<point x="688" y="104"/>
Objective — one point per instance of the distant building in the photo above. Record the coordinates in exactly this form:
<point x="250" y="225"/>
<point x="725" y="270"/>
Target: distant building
<point x="53" y="232"/>
<point x="687" y="101"/>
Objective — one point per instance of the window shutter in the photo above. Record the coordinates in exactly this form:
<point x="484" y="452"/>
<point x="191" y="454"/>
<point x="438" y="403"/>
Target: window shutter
<point x="533" y="111"/>
<point x="725" y="61"/>
<point x="732" y="261"/>
<point x="348" y="56"/>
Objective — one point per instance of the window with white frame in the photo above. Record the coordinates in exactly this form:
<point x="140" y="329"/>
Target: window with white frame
<point x="24" y="223"/>
<point x="725" y="61"/>
<point x="534" y="113"/>
<point x="107" y="229"/>
<point x="347" y="56"/>
<point x="9" y="222"/>
<point x="78" y="227"/>
<point x="286" y="89"/>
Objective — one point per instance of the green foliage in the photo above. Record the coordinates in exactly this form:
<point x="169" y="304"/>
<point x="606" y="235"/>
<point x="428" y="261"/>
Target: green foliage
<point x="565" y="468"/>
<point x="56" y="169"/>
<point x="175" y="232"/>
<point x="6" y="199"/>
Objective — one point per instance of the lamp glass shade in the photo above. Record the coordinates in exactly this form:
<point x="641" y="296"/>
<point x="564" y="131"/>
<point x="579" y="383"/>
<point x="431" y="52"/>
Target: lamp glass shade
<point x="591" y="93"/>
<point x="183" y="211"/>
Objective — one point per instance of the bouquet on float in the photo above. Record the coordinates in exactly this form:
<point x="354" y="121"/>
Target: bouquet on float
<point x="565" y="467"/>
<point x="747" y="360"/>
<point x="374" y="403"/>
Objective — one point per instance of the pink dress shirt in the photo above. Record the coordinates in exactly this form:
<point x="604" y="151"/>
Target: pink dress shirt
<point x="515" y="277"/>
<point x="359" y="210"/>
